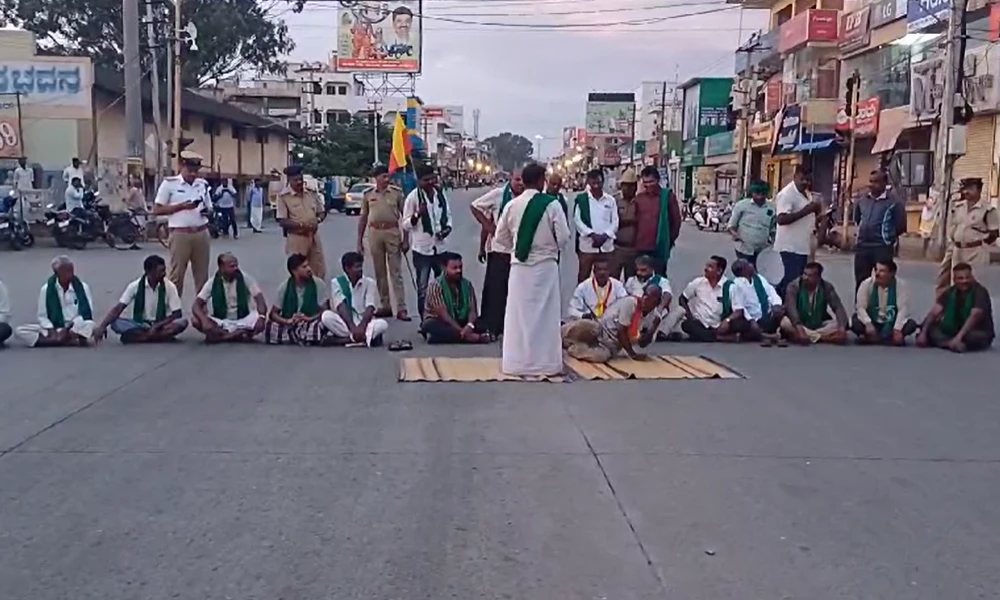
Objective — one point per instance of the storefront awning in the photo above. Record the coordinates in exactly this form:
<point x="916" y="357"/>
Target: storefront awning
<point x="890" y="124"/>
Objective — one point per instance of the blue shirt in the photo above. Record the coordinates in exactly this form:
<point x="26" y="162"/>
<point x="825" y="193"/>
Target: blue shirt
<point x="256" y="196"/>
<point x="225" y="198"/>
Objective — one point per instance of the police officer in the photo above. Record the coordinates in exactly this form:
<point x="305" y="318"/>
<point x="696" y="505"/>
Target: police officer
<point x="184" y="199"/>
<point x="972" y="229"/>
<point x="381" y="210"/>
<point x="299" y="212"/>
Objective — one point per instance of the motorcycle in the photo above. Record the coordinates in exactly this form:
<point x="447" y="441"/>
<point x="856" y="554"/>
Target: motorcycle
<point x="124" y="227"/>
<point x="707" y="217"/>
<point x="216" y="223"/>
<point x="13" y="228"/>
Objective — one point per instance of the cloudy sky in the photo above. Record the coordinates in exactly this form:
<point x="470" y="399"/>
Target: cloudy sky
<point x="535" y="81"/>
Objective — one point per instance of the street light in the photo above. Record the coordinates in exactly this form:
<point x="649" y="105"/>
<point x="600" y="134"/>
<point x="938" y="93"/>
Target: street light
<point x="540" y="138"/>
<point x="472" y="163"/>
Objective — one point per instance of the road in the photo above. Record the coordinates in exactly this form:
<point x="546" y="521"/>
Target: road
<point x="196" y="472"/>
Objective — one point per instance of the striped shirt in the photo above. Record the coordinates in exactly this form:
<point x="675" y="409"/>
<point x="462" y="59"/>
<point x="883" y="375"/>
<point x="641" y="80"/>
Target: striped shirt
<point x="435" y="305"/>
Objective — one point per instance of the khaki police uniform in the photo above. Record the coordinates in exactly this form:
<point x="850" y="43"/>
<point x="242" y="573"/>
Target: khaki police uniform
<point x="968" y="229"/>
<point x="382" y="210"/>
<point x="303" y="209"/>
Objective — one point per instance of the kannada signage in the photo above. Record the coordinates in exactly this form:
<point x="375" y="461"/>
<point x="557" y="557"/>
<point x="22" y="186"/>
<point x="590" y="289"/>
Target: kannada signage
<point x="887" y="11"/>
<point x="789" y="129"/>
<point x="719" y="143"/>
<point x="44" y="82"/>
<point x="713" y="105"/>
<point x="854" y="31"/>
<point x="865" y="120"/>
<point x="379" y="38"/>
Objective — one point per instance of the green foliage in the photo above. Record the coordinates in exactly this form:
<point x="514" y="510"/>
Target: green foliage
<point x="511" y="150"/>
<point x="344" y="149"/>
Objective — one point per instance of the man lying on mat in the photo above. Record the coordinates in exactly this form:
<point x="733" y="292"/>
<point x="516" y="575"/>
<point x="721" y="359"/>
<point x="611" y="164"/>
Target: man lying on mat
<point x="600" y="340"/>
<point x="450" y="312"/>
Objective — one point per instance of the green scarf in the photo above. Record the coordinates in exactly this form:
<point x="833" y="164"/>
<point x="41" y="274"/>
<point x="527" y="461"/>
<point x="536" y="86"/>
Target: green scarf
<point x="890" y="307"/>
<point x="562" y="203"/>
<point x="347" y="291"/>
<point x="508" y="195"/>
<point x="310" y="299"/>
<point x="582" y="202"/>
<point x="139" y="302"/>
<point x="220" y="307"/>
<point x="53" y="305"/>
<point x="425" y="217"/>
<point x="459" y="312"/>
<point x="954" y="316"/>
<point x="758" y="288"/>
<point x="727" y="299"/>
<point x="663" y="243"/>
<point x="530" y="220"/>
<point x="811" y="314"/>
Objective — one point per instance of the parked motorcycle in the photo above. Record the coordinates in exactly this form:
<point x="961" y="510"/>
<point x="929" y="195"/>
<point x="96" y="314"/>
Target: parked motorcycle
<point x="216" y="223"/>
<point x="707" y="217"/>
<point x="14" y="229"/>
<point x="120" y="230"/>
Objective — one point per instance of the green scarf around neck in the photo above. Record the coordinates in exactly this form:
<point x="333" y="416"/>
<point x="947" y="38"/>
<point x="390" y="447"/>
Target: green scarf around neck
<point x="727" y="298"/>
<point x="530" y="219"/>
<point x="758" y="288"/>
<point x="348" y="291"/>
<point x="458" y="308"/>
<point x="425" y="217"/>
<point x="811" y="314"/>
<point x="663" y="242"/>
<point x="955" y="314"/>
<point x="310" y="299"/>
<point x="220" y="306"/>
<point x="582" y="202"/>
<point x="890" y="306"/>
<point x="508" y="195"/>
<point x="139" y="302"/>
<point x="562" y="202"/>
<point x="53" y="305"/>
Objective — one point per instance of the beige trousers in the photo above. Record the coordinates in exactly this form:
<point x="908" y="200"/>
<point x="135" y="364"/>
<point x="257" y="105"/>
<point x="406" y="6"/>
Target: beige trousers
<point x="193" y="249"/>
<point x="309" y="246"/>
<point x="385" y="247"/>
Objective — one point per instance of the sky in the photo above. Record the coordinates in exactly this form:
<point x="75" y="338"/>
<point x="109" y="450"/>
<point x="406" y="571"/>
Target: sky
<point x="535" y="81"/>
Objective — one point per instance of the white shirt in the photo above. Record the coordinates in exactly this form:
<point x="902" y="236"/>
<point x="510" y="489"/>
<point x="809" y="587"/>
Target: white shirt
<point x="24" y="178"/>
<point x="421" y="241"/>
<point x="637" y="288"/>
<point x="551" y="235"/>
<point x="603" y="219"/>
<point x="152" y="295"/>
<point x="584" y="300"/>
<point x="796" y="237"/>
<point x="174" y="190"/>
<point x="68" y="301"/>
<point x="744" y="297"/>
<point x="489" y="205"/>
<point x="229" y="288"/>
<point x="4" y="304"/>
<point x="70" y="173"/>
<point x="705" y="301"/>
<point x="364" y="295"/>
<point x="73" y="198"/>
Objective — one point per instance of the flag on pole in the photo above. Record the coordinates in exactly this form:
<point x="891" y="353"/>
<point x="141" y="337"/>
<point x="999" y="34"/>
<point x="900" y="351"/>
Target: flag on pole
<point x="400" y="145"/>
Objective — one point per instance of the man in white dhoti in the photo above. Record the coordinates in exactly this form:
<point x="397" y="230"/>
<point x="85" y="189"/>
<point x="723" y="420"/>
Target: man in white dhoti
<point x="664" y="322"/>
<point x="596" y="293"/>
<point x="535" y="226"/>
<point x="256" y="203"/>
<point x="222" y="310"/>
<point x="354" y="299"/>
<point x="65" y="310"/>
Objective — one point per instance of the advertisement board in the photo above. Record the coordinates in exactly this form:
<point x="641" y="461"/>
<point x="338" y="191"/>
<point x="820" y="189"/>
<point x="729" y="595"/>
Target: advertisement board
<point x="813" y="25"/>
<point x="789" y="123"/>
<point x="713" y="105"/>
<point x="887" y="11"/>
<point x="44" y="82"/>
<point x="10" y="136"/>
<point x="854" y="31"/>
<point x="568" y="137"/>
<point x="383" y="38"/>
<point x="610" y="115"/>
<point x="866" y="119"/>
<point x="432" y="112"/>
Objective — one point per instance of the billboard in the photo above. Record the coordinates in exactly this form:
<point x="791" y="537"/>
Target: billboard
<point x="387" y="38"/>
<point x="610" y="115"/>
<point x="568" y="137"/>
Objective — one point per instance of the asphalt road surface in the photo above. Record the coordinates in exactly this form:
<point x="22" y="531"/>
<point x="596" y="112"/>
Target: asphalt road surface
<point x="195" y="472"/>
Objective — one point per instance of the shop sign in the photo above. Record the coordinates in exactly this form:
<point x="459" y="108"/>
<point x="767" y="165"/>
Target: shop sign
<point x="772" y="96"/>
<point x="789" y="129"/>
<point x="760" y="134"/>
<point x="10" y="137"/>
<point x="921" y="14"/>
<point x="692" y="147"/>
<point x="854" y="29"/>
<point x="49" y="83"/>
<point x="865" y="119"/>
<point x="813" y="25"/>
<point x="979" y="88"/>
<point x="720" y="143"/>
<point x="887" y="11"/>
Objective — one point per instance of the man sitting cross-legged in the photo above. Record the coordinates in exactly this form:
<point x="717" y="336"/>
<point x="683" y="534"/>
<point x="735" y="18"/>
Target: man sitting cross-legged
<point x="702" y="301"/>
<point x="295" y="316"/>
<point x="222" y="310"/>
<point x="65" y="313"/>
<point x="595" y="294"/>
<point x="881" y="313"/>
<point x="962" y="317"/>
<point x="664" y="321"/>
<point x="156" y="308"/>
<point x="616" y="330"/>
<point x="754" y="309"/>
<point x="354" y="299"/>
<point x="450" y="313"/>
<point x="808" y="303"/>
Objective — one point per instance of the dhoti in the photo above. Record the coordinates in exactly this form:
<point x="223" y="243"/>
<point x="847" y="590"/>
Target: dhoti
<point x="31" y="333"/>
<point x="247" y="323"/>
<point x="336" y="325"/>
<point x="532" y="343"/>
<point x="257" y="217"/>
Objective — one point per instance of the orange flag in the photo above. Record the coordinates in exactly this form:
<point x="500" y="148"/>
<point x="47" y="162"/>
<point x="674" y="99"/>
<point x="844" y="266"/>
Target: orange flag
<point x="400" y="145"/>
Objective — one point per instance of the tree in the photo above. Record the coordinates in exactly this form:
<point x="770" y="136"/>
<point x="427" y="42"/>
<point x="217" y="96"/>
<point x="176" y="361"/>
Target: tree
<point x="510" y="149"/>
<point x="234" y="34"/>
<point x="345" y="149"/>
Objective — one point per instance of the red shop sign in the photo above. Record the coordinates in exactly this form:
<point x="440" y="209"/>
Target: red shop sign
<point x="813" y="25"/>
<point x="866" y="119"/>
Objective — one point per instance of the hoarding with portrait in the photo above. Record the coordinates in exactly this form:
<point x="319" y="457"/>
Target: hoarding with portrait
<point x="383" y="37"/>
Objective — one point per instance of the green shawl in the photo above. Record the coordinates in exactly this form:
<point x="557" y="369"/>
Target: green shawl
<point x="562" y="203"/>
<point x="530" y="219"/>
<point x="458" y="308"/>
<point x="220" y="307"/>
<point x="425" y="217"/>
<point x="508" y="195"/>
<point x="53" y="306"/>
<point x="139" y="302"/>
<point x="758" y="288"/>
<point x="582" y="202"/>
<point x="347" y="291"/>
<point x="727" y="298"/>
<point x="811" y="314"/>
<point x="890" y="306"/>
<point x="663" y="242"/>
<point x="955" y="314"/>
<point x="310" y="299"/>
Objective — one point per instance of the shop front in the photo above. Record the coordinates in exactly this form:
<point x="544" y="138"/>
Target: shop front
<point x="720" y="156"/>
<point x="761" y="136"/>
<point x="692" y="159"/>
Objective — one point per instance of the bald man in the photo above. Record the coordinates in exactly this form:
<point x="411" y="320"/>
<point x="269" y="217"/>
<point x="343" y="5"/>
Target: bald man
<point x="553" y="187"/>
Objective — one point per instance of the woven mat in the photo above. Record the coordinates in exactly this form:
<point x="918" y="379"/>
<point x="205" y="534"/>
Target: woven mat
<point x="488" y="369"/>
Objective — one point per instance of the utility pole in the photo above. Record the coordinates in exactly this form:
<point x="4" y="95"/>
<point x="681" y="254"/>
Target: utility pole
<point x="133" y="81"/>
<point x="953" y="58"/>
<point x="661" y="131"/>
<point x="376" y="123"/>
<point x="475" y="125"/>
<point x="854" y="95"/>
<point x="750" y="95"/>
<point x="631" y="150"/>
<point x="154" y="80"/>
<point x="178" y="85"/>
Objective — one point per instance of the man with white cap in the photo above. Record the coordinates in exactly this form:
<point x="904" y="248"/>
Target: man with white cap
<point x="185" y="199"/>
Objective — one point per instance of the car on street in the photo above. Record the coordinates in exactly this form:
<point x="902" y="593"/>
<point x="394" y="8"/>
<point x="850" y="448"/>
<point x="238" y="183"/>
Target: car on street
<point x="354" y="197"/>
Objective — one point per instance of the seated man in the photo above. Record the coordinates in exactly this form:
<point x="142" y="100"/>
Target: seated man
<point x="354" y="300"/>
<point x="156" y="308"/>
<point x="65" y="313"/>
<point x="962" y="317"/>
<point x="808" y="302"/>
<point x="663" y="321"/>
<point x="594" y="295"/>
<point x="600" y="340"/>
<point x="229" y="317"/>
<point x="5" y="329"/>
<point x="881" y="313"/>
<point x="754" y="306"/>
<point x="296" y="314"/>
<point x="450" y="314"/>
<point x="702" y="304"/>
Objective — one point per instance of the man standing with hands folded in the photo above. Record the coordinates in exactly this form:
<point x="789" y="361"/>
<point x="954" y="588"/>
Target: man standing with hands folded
<point x="299" y="212"/>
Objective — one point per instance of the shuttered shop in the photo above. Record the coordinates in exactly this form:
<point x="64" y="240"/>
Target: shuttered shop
<point x="978" y="158"/>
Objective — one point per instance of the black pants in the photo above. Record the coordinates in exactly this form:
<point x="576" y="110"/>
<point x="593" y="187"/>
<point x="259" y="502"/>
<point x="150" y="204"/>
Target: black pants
<point x="794" y="265"/>
<point x="494" y="302"/>
<point x="974" y="340"/>
<point x="697" y="331"/>
<point x="424" y="264"/>
<point x="5" y="332"/>
<point x="439" y="332"/>
<point x="909" y="328"/>
<point x="865" y="259"/>
<point x="768" y="324"/>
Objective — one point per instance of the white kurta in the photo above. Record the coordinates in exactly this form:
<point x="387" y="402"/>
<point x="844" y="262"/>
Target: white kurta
<point x="532" y="341"/>
<point x="585" y="298"/>
<point x="71" y="314"/>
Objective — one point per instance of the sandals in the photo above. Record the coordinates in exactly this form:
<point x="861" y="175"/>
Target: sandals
<point x="400" y="346"/>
